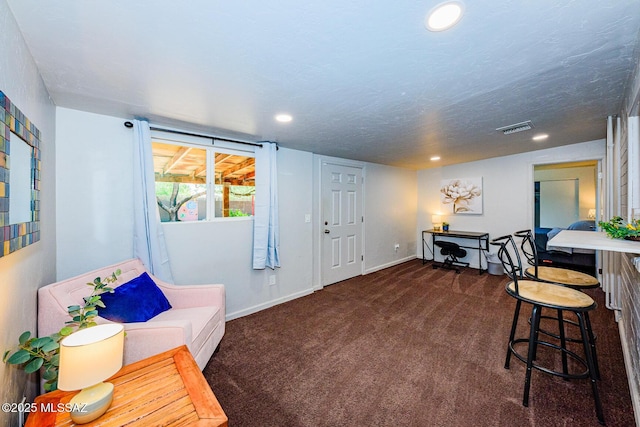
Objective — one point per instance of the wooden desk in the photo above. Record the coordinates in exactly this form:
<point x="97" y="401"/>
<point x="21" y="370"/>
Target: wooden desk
<point x="480" y="237"/>
<point x="163" y="390"/>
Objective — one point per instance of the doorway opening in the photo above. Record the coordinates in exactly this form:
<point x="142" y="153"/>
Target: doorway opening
<point x="566" y="196"/>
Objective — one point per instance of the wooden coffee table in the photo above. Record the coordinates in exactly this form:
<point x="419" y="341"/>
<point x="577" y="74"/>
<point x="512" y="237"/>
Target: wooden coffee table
<point x="167" y="389"/>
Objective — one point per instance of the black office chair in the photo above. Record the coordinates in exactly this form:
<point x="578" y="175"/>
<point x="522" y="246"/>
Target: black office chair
<point x="451" y="251"/>
<point x="547" y="295"/>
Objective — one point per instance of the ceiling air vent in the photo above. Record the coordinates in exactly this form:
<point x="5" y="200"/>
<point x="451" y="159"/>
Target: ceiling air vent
<point x="518" y="127"/>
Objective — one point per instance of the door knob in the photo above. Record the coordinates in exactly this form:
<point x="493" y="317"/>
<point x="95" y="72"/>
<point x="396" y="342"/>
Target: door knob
<point x="326" y="232"/>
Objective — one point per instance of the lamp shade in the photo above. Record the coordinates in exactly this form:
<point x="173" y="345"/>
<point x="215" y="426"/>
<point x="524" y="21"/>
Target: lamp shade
<point x="436" y="219"/>
<point x="90" y="356"/>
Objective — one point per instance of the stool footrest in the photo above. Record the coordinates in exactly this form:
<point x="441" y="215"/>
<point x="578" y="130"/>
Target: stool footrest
<point x="571" y="354"/>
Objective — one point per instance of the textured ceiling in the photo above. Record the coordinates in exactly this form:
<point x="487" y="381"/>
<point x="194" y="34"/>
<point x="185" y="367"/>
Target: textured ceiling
<point x="363" y="80"/>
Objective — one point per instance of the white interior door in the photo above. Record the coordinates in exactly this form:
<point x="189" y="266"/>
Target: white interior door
<point x="341" y="222"/>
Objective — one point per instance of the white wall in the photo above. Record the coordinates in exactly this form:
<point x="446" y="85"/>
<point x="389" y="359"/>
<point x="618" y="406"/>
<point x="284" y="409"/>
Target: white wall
<point x="391" y="207"/>
<point x="94" y="171"/>
<point x="94" y="198"/>
<point x="22" y="272"/>
<point x="95" y="220"/>
<point x="507" y="187"/>
<point x="220" y="251"/>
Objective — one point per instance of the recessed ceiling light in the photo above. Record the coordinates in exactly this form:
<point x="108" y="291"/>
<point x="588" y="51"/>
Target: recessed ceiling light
<point x="434" y="158"/>
<point x="284" y="118"/>
<point x="444" y="16"/>
<point x="540" y="137"/>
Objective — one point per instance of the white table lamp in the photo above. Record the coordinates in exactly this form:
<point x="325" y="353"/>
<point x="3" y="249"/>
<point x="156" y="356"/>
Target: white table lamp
<point x="436" y="220"/>
<point x="87" y="358"/>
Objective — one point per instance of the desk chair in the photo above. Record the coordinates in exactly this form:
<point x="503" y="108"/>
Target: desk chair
<point x="559" y="276"/>
<point x="546" y="295"/>
<point x="451" y="251"/>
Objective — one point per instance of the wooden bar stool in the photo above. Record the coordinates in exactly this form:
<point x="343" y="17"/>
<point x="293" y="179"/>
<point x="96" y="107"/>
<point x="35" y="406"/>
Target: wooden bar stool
<point x="546" y="295"/>
<point x="560" y="276"/>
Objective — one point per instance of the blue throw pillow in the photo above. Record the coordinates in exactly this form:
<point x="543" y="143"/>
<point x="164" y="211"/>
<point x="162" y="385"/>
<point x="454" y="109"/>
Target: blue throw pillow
<point x="138" y="300"/>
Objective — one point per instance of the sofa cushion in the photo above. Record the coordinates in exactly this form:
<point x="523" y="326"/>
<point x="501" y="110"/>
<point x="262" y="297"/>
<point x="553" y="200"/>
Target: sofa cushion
<point x="138" y="300"/>
<point x="204" y="321"/>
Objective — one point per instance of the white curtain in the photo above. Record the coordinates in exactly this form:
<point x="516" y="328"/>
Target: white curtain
<point x="266" y="230"/>
<point x="148" y="237"/>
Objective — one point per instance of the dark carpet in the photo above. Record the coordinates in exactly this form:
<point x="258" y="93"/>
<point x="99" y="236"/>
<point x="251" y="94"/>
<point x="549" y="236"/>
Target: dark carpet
<point x="405" y="346"/>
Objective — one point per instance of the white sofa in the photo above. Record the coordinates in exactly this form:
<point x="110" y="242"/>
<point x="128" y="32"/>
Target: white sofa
<point x="196" y="319"/>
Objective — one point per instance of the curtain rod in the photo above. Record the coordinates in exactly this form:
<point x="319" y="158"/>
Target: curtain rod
<point x="128" y="124"/>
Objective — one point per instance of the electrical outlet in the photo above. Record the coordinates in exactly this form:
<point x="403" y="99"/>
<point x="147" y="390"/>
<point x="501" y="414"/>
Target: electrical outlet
<point x="272" y="280"/>
<point x="396" y="247"/>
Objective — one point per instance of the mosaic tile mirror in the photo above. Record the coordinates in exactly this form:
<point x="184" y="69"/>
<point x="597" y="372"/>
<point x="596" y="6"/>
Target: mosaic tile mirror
<point x="19" y="178"/>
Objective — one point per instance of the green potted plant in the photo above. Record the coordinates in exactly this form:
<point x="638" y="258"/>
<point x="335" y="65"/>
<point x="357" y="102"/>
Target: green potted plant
<point x="445" y="226"/>
<point x="617" y="228"/>
<point x="35" y="353"/>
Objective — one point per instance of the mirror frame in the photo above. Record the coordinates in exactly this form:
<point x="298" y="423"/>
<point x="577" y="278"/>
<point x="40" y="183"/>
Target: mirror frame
<point x="17" y="236"/>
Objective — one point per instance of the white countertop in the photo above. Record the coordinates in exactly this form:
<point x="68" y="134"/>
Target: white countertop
<point x="593" y="240"/>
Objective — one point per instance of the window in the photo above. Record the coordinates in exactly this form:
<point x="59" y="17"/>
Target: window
<point x="197" y="183"/>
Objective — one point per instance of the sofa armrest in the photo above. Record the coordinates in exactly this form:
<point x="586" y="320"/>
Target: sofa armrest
<point x="52" y="313"/>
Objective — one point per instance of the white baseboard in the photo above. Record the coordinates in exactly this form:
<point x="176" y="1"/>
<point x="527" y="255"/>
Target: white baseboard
<point x="265" y="305"/>
<point x="633" y="386"/>
<point x="389" y="264"/>
<point x="268" y="304"/>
